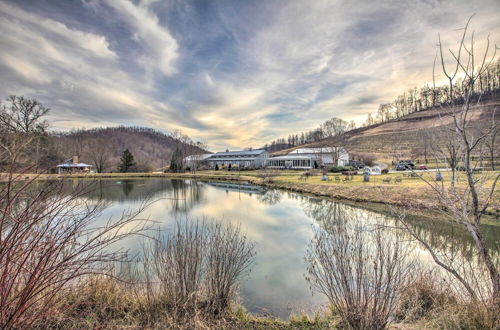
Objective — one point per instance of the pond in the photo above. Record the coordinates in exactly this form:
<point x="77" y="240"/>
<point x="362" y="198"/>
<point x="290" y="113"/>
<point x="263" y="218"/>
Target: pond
<point x="281" y="223"/>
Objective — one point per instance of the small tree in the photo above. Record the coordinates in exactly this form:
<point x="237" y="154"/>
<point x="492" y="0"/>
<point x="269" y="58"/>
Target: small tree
<point x="126" y="162"/>
<point x="21" y="129"/>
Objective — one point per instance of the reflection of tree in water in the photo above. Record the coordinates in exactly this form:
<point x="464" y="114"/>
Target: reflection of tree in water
<point x="128" y="186"/>
<point x="445" y="237"/>
<point x="186" y="195"/>
<point x="134" y="190"/>
<point x="270" y="197"/>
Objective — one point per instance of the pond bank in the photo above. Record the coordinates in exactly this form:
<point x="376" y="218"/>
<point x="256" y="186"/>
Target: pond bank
<point x="411" y="193"/>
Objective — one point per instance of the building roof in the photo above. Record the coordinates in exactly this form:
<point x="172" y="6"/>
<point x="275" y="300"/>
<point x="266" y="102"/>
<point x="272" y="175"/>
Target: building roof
<point x="198" y="157"/>
<point x="312" y="150"/>
<point x="292" y="157"/>
<point x="69" y="163"/>
<point x="240" y="153"/>
<point x="74" y="165"/>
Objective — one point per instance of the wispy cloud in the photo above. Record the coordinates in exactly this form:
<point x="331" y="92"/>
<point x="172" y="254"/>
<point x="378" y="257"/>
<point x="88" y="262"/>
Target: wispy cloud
<point x="234" y="74"/>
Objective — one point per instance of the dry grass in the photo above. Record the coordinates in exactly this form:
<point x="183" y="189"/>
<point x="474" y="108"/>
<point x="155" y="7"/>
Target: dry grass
<point x="105" y="303"/>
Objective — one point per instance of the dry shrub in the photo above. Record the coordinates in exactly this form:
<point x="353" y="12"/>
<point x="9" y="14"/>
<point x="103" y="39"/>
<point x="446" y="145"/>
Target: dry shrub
<point x="228" y="256"/>
<point x="422" y="296"/>
<point x="433" y="303"/>
<point x="361" y="270"/>
<point x="176" y="264"/>
<point x="197" y="266"/>
<point x="48" y="240"/>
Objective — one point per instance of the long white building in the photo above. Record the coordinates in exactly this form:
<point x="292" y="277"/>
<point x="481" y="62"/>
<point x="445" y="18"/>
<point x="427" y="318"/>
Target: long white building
<point x="242" y="159"/>
<point x="301" y="158"/>
<point x="326" y="156"/>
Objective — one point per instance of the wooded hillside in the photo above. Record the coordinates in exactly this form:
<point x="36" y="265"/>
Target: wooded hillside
<point x="408" y="137"/>
<point x="152" y="149"/>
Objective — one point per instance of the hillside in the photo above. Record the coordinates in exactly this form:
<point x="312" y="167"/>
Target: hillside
<point x="407" y="137"/>
<point x="152" y="150"/>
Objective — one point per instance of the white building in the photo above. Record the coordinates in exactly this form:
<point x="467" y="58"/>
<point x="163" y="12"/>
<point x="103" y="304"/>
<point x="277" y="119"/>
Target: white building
<point x="292" y="162"/>
<point x="241" y="159"/>
<point x="325" y="156"/>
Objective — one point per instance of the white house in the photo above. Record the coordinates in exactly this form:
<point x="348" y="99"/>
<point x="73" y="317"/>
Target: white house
<point x="327" y="156"/>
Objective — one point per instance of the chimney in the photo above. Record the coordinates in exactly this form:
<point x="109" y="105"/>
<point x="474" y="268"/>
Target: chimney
<point x="75" y="160"/>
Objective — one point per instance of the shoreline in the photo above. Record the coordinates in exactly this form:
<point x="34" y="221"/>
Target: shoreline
<point x="415" y="198"/>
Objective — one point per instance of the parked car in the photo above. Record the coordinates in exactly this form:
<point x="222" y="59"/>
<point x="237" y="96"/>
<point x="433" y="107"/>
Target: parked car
<point x="423" y="167"/>
<point x="356" y="164"/>
<point x="401" y="167"/>
<point x="462" y="169"/>
<point x="409" y="164"/>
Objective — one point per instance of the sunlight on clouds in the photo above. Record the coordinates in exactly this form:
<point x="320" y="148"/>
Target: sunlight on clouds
<point x="161" y="46"/>
<point x="231" y="80"/>
<point x="25" y="69"/>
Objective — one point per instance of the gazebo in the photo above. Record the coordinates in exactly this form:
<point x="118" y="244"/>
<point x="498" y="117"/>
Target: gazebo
<point x="73" y="166"/>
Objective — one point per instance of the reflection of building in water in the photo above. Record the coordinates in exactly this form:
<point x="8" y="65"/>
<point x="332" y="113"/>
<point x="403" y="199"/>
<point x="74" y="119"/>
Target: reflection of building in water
<point x="238" y="187"/>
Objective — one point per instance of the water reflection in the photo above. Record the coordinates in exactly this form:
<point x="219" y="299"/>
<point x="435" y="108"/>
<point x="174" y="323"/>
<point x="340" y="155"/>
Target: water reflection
<point x="279" y="222"/>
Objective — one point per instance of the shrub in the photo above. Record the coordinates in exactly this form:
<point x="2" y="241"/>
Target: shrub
<point x="360" y="270"/>
<point x="197" y="266"/>
<point x="338" y="169"/>
<point x="49" y="240"/>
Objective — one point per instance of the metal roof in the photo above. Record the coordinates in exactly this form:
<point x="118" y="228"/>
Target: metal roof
<point x="293" y="157"/>
<point x="314" y="150"/>
<point x="74" y="165"/>
<point x="232" y="159"/>
<point x="239" y="153"/>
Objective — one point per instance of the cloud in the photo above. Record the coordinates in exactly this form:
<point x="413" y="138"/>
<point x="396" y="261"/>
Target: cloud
<point x="234" y="74"/>
<point x="161" y="47"/>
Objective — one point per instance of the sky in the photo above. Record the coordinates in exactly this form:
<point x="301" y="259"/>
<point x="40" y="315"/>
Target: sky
<point x="233" y="74"/>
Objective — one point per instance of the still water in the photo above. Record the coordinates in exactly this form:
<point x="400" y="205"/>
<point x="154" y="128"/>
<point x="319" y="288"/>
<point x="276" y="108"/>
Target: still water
<point x="280" y="223"/>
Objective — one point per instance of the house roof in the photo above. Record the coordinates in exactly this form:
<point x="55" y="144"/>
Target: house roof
<point x="69" y="163"/>
<point x="74" y="165"/>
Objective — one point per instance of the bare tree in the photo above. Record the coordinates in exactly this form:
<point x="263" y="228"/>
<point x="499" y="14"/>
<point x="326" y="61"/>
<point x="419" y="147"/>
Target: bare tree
<point x="21" y="126"/>
<point x="490" y="140"/>
<point x="49" y="238"/>
<point x="466" y="205"/>
<point x="99" y="153"/>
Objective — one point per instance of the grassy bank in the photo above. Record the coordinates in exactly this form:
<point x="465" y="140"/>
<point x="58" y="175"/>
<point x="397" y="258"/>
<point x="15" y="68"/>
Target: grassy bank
<point x="105" y="303"/>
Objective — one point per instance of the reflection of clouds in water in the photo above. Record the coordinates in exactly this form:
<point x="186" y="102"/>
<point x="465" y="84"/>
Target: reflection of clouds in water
<point x="279" y="222"/>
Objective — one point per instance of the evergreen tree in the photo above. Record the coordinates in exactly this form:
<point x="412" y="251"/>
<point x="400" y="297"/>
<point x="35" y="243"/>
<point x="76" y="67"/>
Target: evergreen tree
<point x="126" y="162"/>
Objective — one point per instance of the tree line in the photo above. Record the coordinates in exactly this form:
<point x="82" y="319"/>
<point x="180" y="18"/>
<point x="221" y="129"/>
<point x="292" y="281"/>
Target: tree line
<point x="331" y="128"/>
<point x="413" y="100"/>
<point x="25" y="140"/>
<point x="430" y="97"/>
